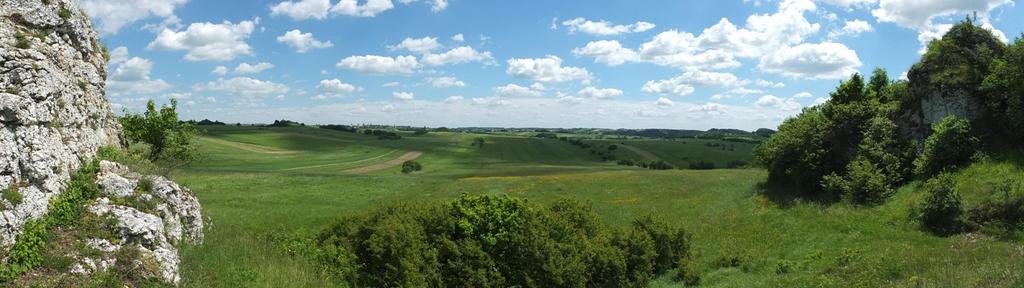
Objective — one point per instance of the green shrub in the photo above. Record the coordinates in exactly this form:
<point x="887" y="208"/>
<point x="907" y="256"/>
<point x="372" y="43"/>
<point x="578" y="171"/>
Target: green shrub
<point x="27" y="251"/>
<point x="687" y="273"/>
<point x="169" y="139"/>
<point x="489" y="241"/>
<point x="941" y="210"/>
<point x="795" y="155"/>
<point x="67" y="209"/>
<point x="670" y="243"/>
<point x="1004" y="92"/>
<point x="867" y="184"/>
<point x="64" y="13"/>
<point x="950" y="146"/>
<point x="640" y="256"/>
<point x="411" y="166"/>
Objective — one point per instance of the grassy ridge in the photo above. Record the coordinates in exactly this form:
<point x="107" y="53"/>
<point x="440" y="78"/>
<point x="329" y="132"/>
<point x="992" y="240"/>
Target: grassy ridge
<point x="742" y="239"/>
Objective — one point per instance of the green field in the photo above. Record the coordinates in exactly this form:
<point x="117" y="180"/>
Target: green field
<point x="257" y="182"/>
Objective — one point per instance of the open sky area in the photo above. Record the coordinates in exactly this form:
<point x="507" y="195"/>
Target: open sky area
<point x="612" y="64"/>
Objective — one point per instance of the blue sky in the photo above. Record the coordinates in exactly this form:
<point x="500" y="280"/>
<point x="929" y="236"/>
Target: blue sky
<point x="614" y="64"/>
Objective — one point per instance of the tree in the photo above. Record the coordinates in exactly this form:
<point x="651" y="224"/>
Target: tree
<point x="795" y="155"/>
<point x="879" y="80"/>
<point x="168" y="138"/>
<point x="1004" y="90"/>
<point x="950" y="146"/>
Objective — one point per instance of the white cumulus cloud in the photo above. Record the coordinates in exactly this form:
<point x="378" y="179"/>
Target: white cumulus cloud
<point x="374" y="64"/>
<point x="115" y="14"/>
<point x="207" y="41"/>
<point x="547" y="69"/>
<point x="302" y="10"/>
<point x="302" y="42"/>
<point x="599" y="93"/>
<point x="513" y="90"/>
<point x="403" y="96"/>
<point x="605" y="28"/>
<point x="446" y="82"/>
<point x="247" y="89"/>
<point x="812" y="61"/>
<point x="246" y="68"/>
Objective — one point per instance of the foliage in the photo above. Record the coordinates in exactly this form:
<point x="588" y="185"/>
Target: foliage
<point x="207" y="122"/>
<point x="411" y="166"/>
<point x="383" y="135"/>
<point x="21" y="41"/>
<point x="68" y="208"/>
<point x="702" y="165"/>
<point x="285" y="123"/>
<point x="64" y="13"/>
<point x="941" y="210"/>
<point x="959" y="60"/>
<point x="478" y="142"/>
<point x="950" y="146"/>
<point x="867" y="183"/>
<point x="491" y="241"/>
<point x="65" y="210"/>
<point x="1002" y="214"/>
<point x="170" y="140"/>
<point x="12" y="195"/>
<point x="1004" y="91"/>
<point x="27" y="251"/>
<point x="796" y="155"/>
<point x="106" y="52"/>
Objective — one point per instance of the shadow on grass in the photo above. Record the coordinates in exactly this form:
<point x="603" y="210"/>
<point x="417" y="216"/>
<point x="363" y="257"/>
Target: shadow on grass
<point x="786" y="195"/>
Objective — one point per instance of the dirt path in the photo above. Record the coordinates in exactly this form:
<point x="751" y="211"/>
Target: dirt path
<point x="385" y="165"/>
<point x="250" y="147"/>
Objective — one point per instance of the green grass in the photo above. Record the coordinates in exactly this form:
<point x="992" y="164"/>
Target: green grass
<point x="248" y="194"/>
<point x="682" y="152"/>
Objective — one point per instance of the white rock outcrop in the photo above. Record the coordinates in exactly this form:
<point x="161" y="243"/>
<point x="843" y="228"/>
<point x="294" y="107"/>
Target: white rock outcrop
<point x="53" y="118"/>
<point x="53" y="114"/>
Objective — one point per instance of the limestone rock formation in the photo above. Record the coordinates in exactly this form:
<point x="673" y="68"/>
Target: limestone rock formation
<point x="53" y="114"/>
<point x="54" y="117"/>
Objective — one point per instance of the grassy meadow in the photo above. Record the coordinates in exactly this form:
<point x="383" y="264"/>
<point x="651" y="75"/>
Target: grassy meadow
<point x="256" y="182"/>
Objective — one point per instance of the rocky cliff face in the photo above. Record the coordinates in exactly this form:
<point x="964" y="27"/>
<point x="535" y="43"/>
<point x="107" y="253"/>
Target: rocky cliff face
<point x="53" y="114"/>
<point x="54" y="117"/>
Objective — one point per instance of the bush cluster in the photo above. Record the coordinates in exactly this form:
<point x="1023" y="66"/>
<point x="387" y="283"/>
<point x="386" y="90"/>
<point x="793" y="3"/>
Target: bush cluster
<point x="64" y="211"/>
<point x="411" y="166"/>
<point x="950" y="146"/>
<point x="169" y="139"/>
<point x="846" y="147"/>
<point x="851" y="147"/>
<point x="383" y="135"/>
<point x="492" y="241"/>
<point x="653" y="165"/>
<point x="941" y="210"/>
<point x="342" y="128"/>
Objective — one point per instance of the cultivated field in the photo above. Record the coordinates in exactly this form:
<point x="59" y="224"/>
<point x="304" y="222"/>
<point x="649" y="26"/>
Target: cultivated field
<point x="259" y="183"/>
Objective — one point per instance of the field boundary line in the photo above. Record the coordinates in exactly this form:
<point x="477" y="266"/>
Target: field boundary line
<point x="340" y="163"/>
<point x="408" y="156"/>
